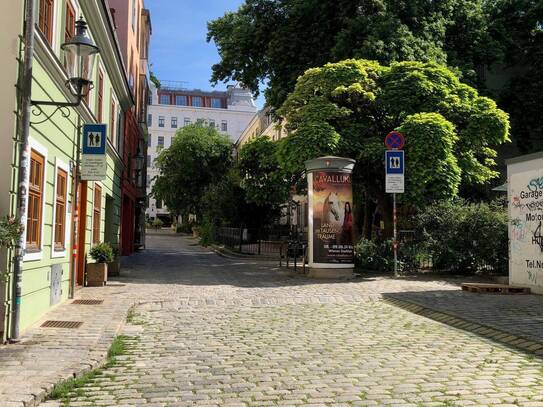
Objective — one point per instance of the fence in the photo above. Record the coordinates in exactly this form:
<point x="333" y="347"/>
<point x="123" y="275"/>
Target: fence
<point x="265" y="241"/>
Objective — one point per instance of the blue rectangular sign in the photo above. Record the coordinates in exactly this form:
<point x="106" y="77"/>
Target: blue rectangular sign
<point x="394" y="162"/>
<point x="94" y="139"/>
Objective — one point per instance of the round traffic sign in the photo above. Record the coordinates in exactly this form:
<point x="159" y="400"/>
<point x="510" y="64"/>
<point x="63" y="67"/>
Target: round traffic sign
<point x="394" y="140"/>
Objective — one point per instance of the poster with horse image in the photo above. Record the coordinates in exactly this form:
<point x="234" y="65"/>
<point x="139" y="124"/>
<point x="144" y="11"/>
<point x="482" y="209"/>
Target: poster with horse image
<point x="332" y="218"/>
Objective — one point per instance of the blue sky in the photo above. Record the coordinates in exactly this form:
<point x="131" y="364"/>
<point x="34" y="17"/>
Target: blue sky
<point x="179" y="50"/>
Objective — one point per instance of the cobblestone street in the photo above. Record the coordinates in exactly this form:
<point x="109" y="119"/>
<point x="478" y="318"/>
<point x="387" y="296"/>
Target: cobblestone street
<point x="213" y="331"/>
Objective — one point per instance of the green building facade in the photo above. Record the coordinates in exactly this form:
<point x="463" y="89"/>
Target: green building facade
<point x="48" y="270"/>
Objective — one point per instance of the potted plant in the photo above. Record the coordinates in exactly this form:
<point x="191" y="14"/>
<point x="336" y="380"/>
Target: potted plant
<point x="10" y="232"/>
<point x="102" y="254"/>
<point x="114" y="267"/>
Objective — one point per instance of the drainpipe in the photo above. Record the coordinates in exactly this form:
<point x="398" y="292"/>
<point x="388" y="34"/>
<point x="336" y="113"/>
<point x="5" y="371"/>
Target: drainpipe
<point x="25" y="84"/>
<point x="75" y="215"/>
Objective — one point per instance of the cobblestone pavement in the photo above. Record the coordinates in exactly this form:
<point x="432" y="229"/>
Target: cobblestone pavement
<point x="212" y="331"/>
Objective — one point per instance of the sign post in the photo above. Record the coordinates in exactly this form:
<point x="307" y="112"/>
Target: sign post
<point x="395" y="182"/>
<point x="93" y="158"/>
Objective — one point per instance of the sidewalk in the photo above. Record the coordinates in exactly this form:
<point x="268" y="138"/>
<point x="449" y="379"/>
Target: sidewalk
<point x="515" y="320"/>
<point x="45" y="356"/>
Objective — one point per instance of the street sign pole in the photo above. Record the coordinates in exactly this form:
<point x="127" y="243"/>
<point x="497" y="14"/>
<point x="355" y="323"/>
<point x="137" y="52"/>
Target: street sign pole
<point x="394" y="169"/>
<point x="395" y="240"/>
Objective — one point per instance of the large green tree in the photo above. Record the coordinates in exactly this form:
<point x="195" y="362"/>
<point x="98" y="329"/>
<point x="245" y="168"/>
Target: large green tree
<point x="517" y="26"/>
<point x="347" y="108"/>
<point x="199" y="156"/>
<point x="275" y="41"/>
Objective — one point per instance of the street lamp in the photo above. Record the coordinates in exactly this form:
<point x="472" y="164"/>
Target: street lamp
<point x="80" y="52"/>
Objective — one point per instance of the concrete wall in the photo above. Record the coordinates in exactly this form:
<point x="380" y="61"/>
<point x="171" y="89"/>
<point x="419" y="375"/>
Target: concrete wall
<point x="525" y="196"/>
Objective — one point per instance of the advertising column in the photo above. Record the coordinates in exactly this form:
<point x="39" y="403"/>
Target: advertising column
<point x="330" y="217"/>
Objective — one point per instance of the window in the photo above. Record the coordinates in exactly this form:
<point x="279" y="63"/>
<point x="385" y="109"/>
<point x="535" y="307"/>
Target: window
<point x="212" y="123"/>
<point x="150" y="100"/>
<point x="149" y="141"/>
<point x="45" y="19"/>
<point x="180" y="100"/>
<point x="69" y="30"/>
<point x="35" y="200"/>
<point x="216" y="103"/>
<point x="224" y="125"/>
<point x="60" y="210"/>
<point x="160" y="141"/>
<point x="149" y="119"/>
<point x="100" y="96"/>
<point x="97" y="209"/>
<point x="174" y="122"/>
<point x="200" y="121"/>
<point x="159" y="204"/>
<point x="112" y="117"/>
<point x="196" y="101"/>
<point x="187" y="121"/>
<point x="149" y="162"/>
<point x="164" y="99"/>
<point x="160" y="121"/>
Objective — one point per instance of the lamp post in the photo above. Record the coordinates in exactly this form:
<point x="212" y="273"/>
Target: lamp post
<point x="79" y="52"/>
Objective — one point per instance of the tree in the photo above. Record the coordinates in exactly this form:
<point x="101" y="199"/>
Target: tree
<point x="275" y="41"/>
<point x="261" y="176"/>
<point x="517" y="26"/>
<point x="199" y="155"/>
<point x="347" y="108"/>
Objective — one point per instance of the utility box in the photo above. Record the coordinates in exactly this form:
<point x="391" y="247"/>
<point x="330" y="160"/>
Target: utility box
<point x="56" y="283"/>
<point x="525" y="206"/>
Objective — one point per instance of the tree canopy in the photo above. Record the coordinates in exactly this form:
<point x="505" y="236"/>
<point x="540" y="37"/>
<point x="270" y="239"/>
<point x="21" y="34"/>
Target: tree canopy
<point x="275" y="41"/>
<point x="261" y="176"/>
<point x="346" y="109"/>
<point x="198" y="156"/>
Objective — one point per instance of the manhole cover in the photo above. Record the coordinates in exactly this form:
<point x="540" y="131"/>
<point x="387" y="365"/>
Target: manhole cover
<point x="87" y="302"/>
<point x="62" y="324"/>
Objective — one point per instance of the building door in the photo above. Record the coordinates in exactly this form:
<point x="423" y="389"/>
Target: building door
<point x="110" y="234"/>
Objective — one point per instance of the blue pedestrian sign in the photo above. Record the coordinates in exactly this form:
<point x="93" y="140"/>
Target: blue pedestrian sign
<point x="394" y="161"/>
<point x="94" y="139"/>
<point x="94" y="159"/>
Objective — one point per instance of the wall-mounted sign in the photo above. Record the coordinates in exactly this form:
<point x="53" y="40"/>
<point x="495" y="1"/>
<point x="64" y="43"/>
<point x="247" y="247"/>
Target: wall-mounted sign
<point x="93" y="158"/>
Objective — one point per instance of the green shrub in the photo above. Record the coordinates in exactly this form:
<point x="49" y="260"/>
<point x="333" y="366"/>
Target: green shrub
<point x="102" y="253"/>
<point x="185" y="227"/>
<point x="206" y="233"/>
<point x="157" y="223"/>
<point x="464" y="237"/>
<point x="10" y="231"/>
<point x="375" y="255"/>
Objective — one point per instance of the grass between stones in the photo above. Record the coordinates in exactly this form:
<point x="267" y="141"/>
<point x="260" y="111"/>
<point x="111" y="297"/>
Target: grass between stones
<point x="70" y="387"/>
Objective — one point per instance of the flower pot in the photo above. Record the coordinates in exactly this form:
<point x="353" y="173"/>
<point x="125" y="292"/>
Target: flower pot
<point x="96" y="274"/>
<point x="114" y="268"/>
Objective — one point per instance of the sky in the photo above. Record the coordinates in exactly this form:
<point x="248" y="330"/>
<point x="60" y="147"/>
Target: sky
<point x="179" y="51"/>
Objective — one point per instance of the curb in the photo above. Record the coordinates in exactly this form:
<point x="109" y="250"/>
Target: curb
<point x="509" y="339"/>
<point x="84" y="366"/>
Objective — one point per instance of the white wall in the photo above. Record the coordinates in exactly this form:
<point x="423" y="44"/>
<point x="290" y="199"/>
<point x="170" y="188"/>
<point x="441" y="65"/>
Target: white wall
<point x="525" y="196"/>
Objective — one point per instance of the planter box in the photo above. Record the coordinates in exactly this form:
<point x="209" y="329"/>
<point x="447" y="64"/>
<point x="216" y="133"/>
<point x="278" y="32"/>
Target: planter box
<point x="96" y="274"/>
<point x="114" y="268"/>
